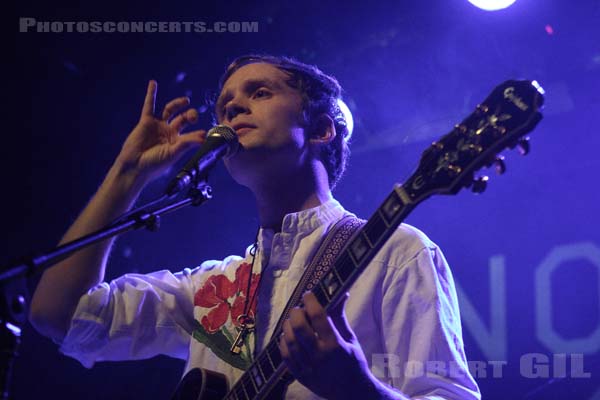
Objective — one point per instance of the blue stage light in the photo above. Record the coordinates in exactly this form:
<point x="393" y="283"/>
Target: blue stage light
<point x="492" y="5"/>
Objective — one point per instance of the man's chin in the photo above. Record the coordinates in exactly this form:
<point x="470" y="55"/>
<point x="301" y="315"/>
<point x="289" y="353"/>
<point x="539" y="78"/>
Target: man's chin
<point x="246" y="166"/>
<point x="247" y="157"/>
<point x="248" y="149"/>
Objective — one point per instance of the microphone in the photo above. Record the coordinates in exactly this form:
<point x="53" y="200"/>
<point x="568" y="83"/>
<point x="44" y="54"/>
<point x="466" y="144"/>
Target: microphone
<point x="221" y="141"/>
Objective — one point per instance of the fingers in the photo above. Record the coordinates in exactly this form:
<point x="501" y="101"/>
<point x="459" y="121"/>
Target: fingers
<point x="297" y="353"/>
<point x="304" y="334"/>
<point x="174" y="106"/>
<point x="189" y="140"/>
<point x="332" y="326"/>
<point x="338" y="316"/>
<point x="184" y="119"/>
<point x="318" y="318"/>
<point x="311" y="338"/>
<point x="169" y="114"/>
<point x="299" y="344"/>
<point x="289" y="350"/>
<point x="149" y="101"/>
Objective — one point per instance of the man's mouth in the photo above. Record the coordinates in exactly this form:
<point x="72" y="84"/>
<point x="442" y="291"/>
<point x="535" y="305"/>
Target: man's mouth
<point x="242" y="128"/>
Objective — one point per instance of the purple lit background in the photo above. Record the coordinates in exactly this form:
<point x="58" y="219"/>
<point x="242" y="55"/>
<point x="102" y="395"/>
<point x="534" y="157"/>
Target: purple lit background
<point x="410" y="72"/>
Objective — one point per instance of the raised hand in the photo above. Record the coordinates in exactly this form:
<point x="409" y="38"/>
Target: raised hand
<point x="156" y="143"/>
<point x="149" y="150"/>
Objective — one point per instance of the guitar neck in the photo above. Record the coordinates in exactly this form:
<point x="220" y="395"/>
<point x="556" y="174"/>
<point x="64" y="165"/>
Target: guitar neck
<point x="362" y="247"/>
<point x="268" y="369"/>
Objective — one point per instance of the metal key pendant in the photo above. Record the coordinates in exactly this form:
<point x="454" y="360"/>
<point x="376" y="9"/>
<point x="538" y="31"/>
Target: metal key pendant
<point x="247" y="326"/>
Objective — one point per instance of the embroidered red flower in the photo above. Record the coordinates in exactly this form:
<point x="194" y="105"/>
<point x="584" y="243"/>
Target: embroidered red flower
<point x="225" y="298"/>
<point x="242" y="274"/>
<point x="215" y="294"/>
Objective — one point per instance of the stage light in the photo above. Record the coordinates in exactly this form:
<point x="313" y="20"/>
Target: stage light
<point x="492" y="5"/>
<point x="348" y="115"/>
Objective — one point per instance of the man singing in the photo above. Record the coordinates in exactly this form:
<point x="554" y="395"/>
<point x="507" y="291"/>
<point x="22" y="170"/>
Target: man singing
<point x="293" y="136"/>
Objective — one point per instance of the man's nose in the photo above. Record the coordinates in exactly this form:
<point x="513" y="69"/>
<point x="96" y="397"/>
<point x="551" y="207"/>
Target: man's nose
<point x="233" y="109"/>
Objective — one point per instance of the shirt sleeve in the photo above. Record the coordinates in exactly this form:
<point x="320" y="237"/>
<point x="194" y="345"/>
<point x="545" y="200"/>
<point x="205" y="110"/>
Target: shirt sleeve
<point x="133" y="317"/>
<point x="420" y="317"/>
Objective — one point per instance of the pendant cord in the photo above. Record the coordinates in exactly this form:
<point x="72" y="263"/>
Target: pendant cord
<point x="248" y="302"/>
<point x="247" y="323"/>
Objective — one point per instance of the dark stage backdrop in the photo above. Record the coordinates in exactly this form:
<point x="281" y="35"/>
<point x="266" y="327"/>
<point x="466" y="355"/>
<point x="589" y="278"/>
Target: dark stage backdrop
<point x="525" y="254"/>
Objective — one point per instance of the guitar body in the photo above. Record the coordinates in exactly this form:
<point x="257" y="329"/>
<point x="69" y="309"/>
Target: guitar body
<point x="201" y="384"/>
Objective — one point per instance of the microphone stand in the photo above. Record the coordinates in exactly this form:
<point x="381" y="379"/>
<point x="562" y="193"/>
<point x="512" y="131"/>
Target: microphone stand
<point x="13" y="307"/>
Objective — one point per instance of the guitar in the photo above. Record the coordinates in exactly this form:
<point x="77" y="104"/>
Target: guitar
<point x="447" y="166"/>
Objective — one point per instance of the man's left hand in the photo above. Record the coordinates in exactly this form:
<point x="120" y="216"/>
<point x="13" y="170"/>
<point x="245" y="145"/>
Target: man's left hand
<point x="323" y="353"/>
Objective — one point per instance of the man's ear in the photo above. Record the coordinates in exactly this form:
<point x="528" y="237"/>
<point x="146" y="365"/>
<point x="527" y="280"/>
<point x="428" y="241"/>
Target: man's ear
<point x="322" y="130"/>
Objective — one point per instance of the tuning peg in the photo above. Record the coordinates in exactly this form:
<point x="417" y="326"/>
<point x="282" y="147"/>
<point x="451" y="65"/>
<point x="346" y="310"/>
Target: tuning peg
<point x="500" y="165"/>
<point x="482" y="108"/>
<point x="479" y="184"/>
<point x="523" y="146"/>
<point x="474" y="149"/>
<point x="453" y="170"/>
<point x="438" y="145"/>
<point x="461" y="128"/>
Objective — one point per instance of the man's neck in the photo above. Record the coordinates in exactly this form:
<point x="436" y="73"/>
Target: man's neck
<point x="277" y="199"/>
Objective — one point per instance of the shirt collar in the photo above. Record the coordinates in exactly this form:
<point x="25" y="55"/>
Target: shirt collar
<point x="303" y="222"/>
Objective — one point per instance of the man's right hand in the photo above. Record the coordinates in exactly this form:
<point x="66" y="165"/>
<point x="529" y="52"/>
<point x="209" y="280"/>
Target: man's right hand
<point x="149" y="150"/>
<point x="155" y="143"/>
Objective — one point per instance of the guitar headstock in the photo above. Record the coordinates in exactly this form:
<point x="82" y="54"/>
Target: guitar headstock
<point x="500" y="122"/>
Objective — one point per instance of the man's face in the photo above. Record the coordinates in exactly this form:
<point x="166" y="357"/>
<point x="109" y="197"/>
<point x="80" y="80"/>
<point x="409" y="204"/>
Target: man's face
<point x="266" y="113"/>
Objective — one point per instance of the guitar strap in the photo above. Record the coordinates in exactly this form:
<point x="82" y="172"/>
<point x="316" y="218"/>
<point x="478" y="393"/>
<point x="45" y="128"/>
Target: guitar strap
<point x="321" y="262"/>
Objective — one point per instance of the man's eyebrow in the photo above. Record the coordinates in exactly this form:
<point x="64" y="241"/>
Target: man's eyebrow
<point x="249" y="86"/>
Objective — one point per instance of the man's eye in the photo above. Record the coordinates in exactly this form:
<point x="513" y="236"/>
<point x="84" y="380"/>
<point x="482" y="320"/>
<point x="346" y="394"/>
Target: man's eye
<point x="261" y="93"/>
